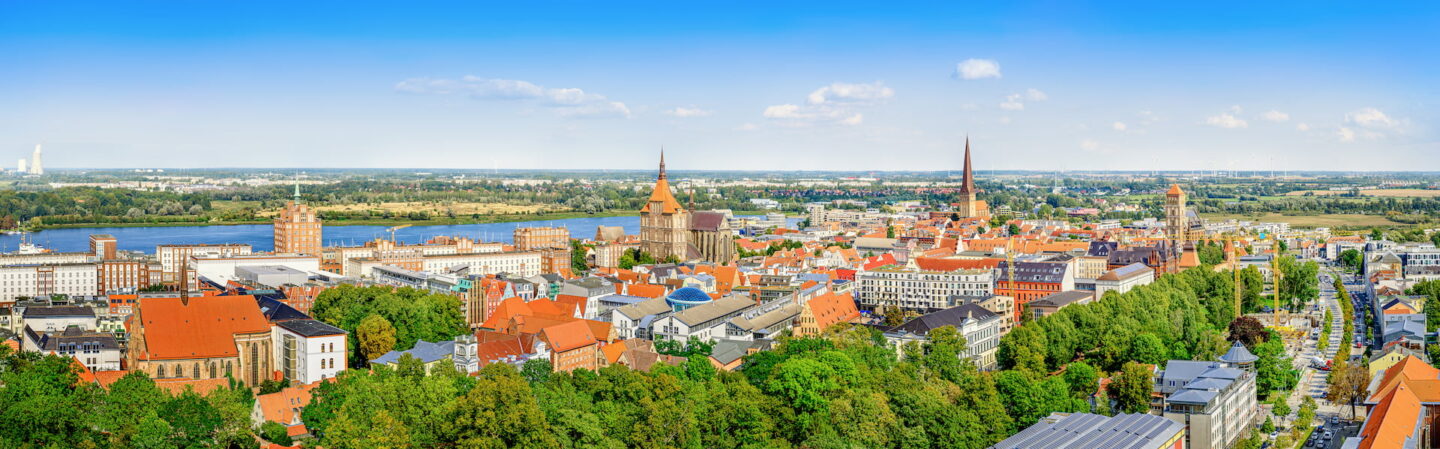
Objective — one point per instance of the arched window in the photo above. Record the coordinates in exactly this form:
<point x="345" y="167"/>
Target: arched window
<point x="254" y="364"/>
<point x="195" y="370"/>
<point x="160" y="372"/>
<point x="212" y="369"/>
<point x="229" y="369"/>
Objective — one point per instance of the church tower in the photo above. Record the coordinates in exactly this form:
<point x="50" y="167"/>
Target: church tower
<point x="969" y="206"/>
<point x="664" y="224"/>
<point x="1176" y="221"/>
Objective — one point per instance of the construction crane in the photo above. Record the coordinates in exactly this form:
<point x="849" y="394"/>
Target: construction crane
<point x="392" y="230"/>
<point x="1278" y="315"/>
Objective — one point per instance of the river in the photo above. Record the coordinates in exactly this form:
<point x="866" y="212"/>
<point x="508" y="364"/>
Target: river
<point x="261" y="237"/>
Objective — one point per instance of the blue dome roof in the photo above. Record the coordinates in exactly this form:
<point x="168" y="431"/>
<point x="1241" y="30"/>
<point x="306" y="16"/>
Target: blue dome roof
<point x="689" y="295"/>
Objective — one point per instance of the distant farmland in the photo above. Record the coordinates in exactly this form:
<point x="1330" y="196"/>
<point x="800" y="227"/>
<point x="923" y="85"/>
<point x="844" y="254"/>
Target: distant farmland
<point x="1389" y="193"/>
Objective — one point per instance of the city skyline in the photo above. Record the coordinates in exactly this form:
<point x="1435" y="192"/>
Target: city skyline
<point x="1036" y="86"/>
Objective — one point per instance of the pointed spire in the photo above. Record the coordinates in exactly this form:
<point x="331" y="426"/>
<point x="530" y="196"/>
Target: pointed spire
<point x="662" y="162"/>
<point x="967" y="183"/>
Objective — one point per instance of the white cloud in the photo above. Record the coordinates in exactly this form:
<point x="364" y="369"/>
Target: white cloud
<point x="1302" y="126"/>
<point x="783" y="111"/>
<point x="1119" y="126"/>
<point x="1012" y="103"/>
<point x="1004" y="120"/>
<point x="1225" y="120"/>
<point x="1148" y="117"/>
<point x="1089" y="145"/>
<point x="684" y="112"/>
<point x="1371" y="118"/>
<point x="1236" y="109"/>
<point x="566" y="102"/>
<point x="974" y="69"/>
<point x="1275" y="116"/>
<point x="1346" y="134"/>
<point x="747" y="127"/>
<point x="837" y="103"/>
<point x="845" y="92"/>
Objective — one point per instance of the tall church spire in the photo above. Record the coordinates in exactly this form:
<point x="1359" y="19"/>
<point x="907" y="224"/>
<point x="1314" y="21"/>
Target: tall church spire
<point x="967" y="184"/>
<point x="662" y="163"/>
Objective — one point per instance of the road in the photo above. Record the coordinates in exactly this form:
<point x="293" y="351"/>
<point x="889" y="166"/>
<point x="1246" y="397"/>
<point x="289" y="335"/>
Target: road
<point x="1312" y="381"/>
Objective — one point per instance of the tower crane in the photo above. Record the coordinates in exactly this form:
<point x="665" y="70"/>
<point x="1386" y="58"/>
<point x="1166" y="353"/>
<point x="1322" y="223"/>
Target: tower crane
<point x="392" y="230"/>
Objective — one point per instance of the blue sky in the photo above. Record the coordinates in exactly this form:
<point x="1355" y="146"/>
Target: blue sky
<point x="732" y="85"/>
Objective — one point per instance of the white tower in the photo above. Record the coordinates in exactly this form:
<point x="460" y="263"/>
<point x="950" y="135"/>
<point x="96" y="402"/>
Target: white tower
<point x="35" y="167"/>
<point x="20" y="168"/>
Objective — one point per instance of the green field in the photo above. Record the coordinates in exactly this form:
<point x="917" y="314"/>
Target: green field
<point x="1311" y="221"/>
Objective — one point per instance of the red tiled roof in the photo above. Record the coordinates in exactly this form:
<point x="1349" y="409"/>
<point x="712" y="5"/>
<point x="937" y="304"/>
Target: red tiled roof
<point x="568" y="336"/>
<point x="949" y="264"/>
<point x="204" y="328"/>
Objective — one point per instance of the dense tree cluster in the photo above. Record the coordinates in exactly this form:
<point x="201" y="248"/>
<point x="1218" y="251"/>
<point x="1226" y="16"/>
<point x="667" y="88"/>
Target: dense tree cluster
<point x="845" y="389"/>
<point x="44" y="405"/>
<point x="399" y="316"/>
<point x="1179" y="316"/>
<point x="95" y="205"/>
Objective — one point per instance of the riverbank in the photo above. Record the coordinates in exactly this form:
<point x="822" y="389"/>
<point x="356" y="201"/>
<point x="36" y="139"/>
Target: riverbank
<point x="443" y="221"/>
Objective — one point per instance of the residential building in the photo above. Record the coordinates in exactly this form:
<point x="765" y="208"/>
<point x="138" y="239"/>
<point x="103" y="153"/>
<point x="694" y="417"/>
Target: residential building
<point x="1121" y="280"/>
<point x="308" y="351"/>
<point x="58" y="318"/>
<point x="706" y="322"/>
<point x="1215" y="401"/>
<point x="980" y="327"/>
<point x="172" y="257"/>
<point x="1053" y="302"/>
<point x="98" y="351"/>
<point x="1085" y="430"/>
<point x="918" y="290"/>
<point x="571" y="345"/>
<point x="208" y="337"/>
<point x="127" y="274"/>
<point x="430" y="355"/>
<point x="1030" y="281"/>
<point x="532" y="238"/>
<point x="44" y="281"/>
<point x="283" y="407"/>
<point x="823" y="311"/>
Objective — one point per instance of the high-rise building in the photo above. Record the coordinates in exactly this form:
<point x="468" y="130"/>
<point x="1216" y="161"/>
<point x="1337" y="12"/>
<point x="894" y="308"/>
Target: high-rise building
<point x="1176" y="222"/>
<point x="297" y="228"/>
<point x="664" y="224"/>
<point x="969" y="206"/>
<point x="36" y="168"/>
<point x="21" y="166"/>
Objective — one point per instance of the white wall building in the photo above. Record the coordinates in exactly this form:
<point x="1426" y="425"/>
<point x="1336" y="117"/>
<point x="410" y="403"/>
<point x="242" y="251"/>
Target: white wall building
<point x="308" y="351"/>
<point x="42" y="281"/>
<point x="919" y="290"/>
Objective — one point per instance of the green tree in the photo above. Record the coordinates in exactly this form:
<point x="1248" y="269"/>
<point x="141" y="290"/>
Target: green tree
<point x="275" y="432"/>
<point x="1130" y="388"/>
<point x="1148" y="348"/>
<point x="501" y="412"/>
<point x="1351" y="258"/>
<point x="1082" y="379"/>
<point x="376" y="336"/>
